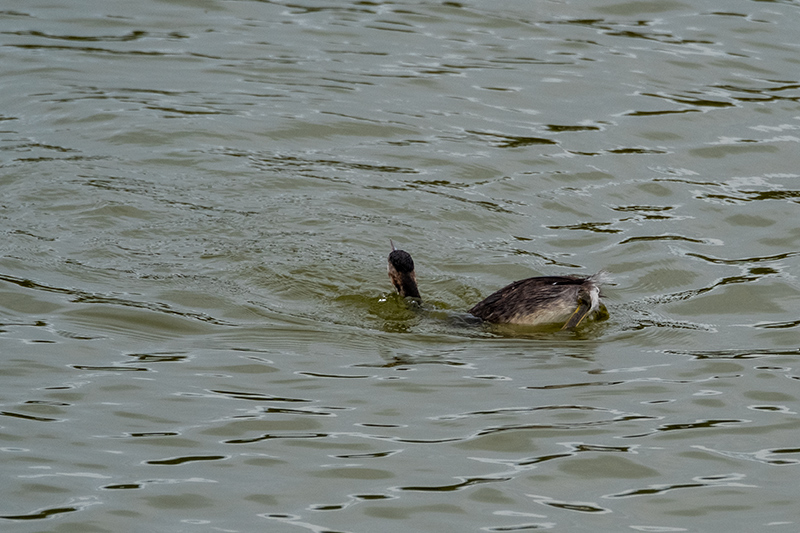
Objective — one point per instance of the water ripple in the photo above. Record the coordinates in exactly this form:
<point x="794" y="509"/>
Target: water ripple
<point x="719" y="480"/>
<point x="172" y="461"/>
<point x="767" y="456"/>
<point x="739" y="353"/>
<point x="577" y="506"/>
<point x="466" y="483"/>
<point x="223" y="200"/>
<point x="71" y="505"/>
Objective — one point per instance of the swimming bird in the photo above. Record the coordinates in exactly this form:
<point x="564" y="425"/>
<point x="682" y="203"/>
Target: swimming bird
<point x="401" y="272"/>
<point x="538" y="301"/>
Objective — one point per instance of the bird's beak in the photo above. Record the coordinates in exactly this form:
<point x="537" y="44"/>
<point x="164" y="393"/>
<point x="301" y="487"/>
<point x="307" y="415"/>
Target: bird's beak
<point x="393" y="248"/>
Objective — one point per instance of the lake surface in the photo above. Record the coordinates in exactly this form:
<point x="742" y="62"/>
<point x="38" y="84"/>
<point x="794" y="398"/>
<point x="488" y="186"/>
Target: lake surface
<point x="197" y="332"/>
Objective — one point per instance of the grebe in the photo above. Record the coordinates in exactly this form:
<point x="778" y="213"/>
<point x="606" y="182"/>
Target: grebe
<point x="544" y="300"/>
<point x="401" y="272"/>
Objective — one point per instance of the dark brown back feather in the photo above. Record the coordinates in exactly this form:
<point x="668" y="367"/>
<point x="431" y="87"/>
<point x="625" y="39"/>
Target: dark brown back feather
<point x="527" y="296"/>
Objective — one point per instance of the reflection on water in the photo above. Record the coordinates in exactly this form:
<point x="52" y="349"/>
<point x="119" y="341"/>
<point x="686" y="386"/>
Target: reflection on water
<point x="195" y="320"/>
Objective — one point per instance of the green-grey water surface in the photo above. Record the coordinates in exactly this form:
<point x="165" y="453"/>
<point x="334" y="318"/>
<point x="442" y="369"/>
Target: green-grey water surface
<point x="197" y="332"/>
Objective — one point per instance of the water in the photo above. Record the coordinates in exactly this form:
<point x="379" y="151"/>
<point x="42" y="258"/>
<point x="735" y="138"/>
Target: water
<point x="198" y="333"/>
